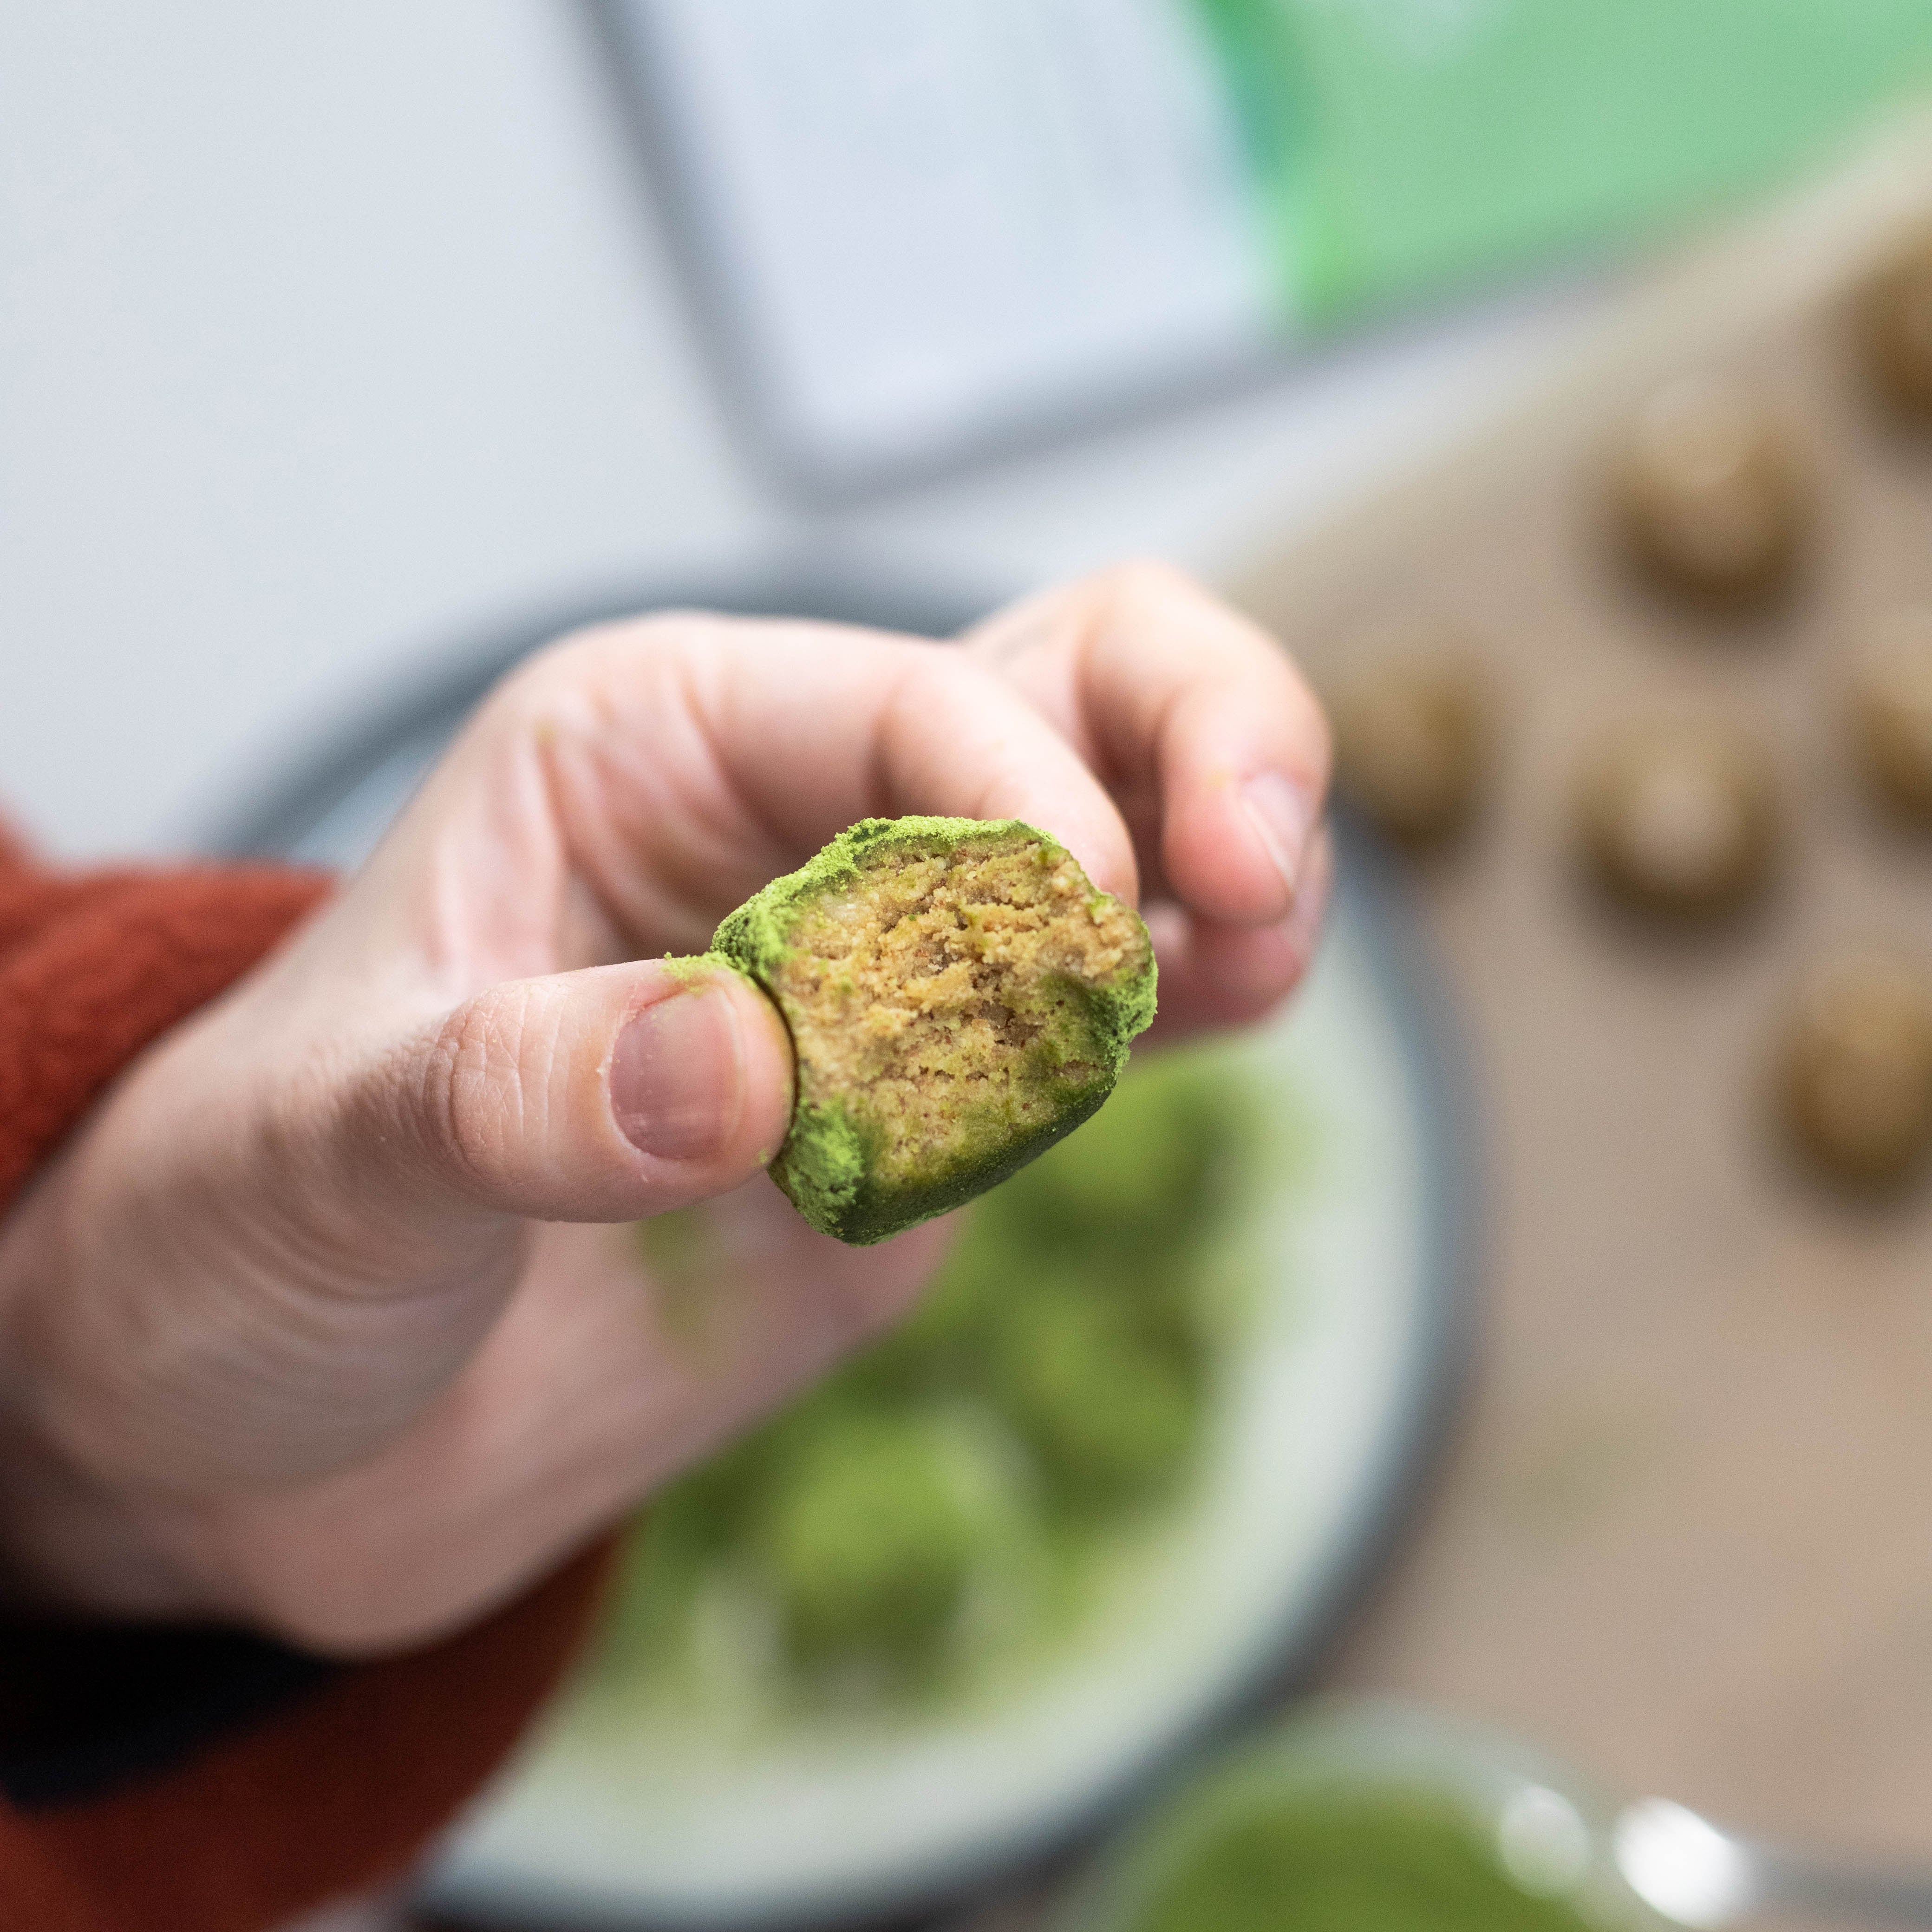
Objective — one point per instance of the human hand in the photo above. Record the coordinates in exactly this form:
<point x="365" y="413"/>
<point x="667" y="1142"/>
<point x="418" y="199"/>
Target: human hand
<point x="326" y="1320"/>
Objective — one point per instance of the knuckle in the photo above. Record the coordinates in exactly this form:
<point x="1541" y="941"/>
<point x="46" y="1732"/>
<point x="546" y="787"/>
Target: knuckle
<point x="940" y="676"/>
<point x="930" y="685"/>
<point x="1147" y="580"/>
<point x="560" y="676"/>
<point x="472" y="1094"/>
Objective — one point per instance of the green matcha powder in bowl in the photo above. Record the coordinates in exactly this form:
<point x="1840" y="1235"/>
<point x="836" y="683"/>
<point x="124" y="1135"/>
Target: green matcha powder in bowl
<point x="1365" y="1816"/>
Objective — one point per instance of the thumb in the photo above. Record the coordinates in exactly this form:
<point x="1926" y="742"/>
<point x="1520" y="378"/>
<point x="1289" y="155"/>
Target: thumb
<point x="604" y="1095"/>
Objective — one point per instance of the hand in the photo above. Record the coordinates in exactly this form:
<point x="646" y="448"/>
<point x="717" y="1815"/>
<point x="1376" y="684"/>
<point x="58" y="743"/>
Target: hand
<point x="326" y="1320"/>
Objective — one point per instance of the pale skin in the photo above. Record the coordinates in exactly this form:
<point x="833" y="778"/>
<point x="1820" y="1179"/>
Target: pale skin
<point x="319" y="1322"/>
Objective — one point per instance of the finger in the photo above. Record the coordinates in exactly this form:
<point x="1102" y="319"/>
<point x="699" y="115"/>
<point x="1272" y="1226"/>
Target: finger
<point x="938" y="734"/>
<point x="603" y="1095"/>
<point x="1214" y="974"/>
<point x="1164" y="687"/>
<point x="674" y="765"/>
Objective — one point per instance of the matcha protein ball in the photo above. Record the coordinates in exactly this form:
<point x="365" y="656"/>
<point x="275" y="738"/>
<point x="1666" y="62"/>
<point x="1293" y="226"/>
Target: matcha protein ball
<point x="1892" y="322"/>
<point x="1855" y="1076"/>
<point x="1681" y="818"/>
<point x="1107" y="1394"/>
<point x="1891" y="712"/>
<point x="959" y="996"/>
<point x="870" y="1539"/>
<point x="1710" y="493"/>
<point x="1412" y="736"/>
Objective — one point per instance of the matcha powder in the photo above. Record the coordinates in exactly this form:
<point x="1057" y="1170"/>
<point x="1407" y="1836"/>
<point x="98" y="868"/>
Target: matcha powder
<point x="1347" y="1863"/>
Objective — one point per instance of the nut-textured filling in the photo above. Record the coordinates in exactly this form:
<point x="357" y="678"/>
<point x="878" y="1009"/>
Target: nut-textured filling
<point x="939" y="1000"/>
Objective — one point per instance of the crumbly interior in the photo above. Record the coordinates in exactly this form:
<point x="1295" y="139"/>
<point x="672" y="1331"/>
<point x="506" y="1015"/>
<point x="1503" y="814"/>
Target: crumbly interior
<point x="940" y="993"/>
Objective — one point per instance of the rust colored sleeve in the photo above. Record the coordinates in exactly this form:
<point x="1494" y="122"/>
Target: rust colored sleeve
<point x="323" y="1779"/>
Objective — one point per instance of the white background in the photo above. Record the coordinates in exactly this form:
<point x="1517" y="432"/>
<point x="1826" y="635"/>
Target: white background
<point x="330" y="330"/>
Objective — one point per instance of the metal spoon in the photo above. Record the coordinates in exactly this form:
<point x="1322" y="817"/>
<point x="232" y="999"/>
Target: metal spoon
<point x="1684" y="1867"/>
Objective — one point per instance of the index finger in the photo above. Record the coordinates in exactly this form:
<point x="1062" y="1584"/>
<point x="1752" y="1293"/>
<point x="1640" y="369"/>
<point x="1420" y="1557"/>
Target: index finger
<point x="1172" y="694"/>
<point x="677" y="764"/>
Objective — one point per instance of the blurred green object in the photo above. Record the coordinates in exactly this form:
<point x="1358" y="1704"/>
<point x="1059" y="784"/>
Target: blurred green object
<point x="1396" y="146"/>
<point x="1109" y="1402"/>
<point x="946" y="1488"/>
<point x="1358" y="1814"/>
<point x="1344" y="1861"/>
<point x="870" y="1537"/>
<point x="1151" y="1176"/>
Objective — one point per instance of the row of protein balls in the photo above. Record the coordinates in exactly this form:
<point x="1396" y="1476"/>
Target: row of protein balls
<point x="1682" y="820"/>
<point x="1712" y="494"/>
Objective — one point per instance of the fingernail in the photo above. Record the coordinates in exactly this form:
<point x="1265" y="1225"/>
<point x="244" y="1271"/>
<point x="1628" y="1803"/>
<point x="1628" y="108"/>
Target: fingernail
<point x="677" y="1074"/>
<point x="1282" y="817"/>
<point x="1311" y="900"/>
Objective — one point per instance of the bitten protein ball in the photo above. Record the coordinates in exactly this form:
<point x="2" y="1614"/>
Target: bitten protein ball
<point x="1680" y="817"/>
<point x="1892" y="324"/>
<point x="1855" y="1068"/>
<point x="1711" y="494"/>
<point x="1413" y="738"/>
<point x="1891" y="711"/>
<point x="959" y="996"/>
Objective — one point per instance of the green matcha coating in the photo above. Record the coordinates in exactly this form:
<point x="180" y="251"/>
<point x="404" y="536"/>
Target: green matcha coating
<point x="1347" y="1861"/>
<point x="828" y="1166"/>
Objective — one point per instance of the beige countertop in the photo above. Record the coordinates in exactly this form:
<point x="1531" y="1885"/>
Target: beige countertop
<point x="1683" y="1533"/>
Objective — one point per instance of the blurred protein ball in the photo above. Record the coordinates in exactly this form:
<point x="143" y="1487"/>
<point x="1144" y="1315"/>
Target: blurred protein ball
<point x="1856" y="1074"/>
<point x="1680" y="817"/>
<point x="1413" y="737"/>
<point x="870" y="1539"/>
<point x="1892" y="323"/>
<point x="1891" y="711"/>
<point x="1710" y="493"/>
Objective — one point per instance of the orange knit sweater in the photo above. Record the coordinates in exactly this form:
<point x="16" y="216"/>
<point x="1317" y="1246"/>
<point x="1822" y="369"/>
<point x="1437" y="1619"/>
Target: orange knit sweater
<point x="157" y="1779"/>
